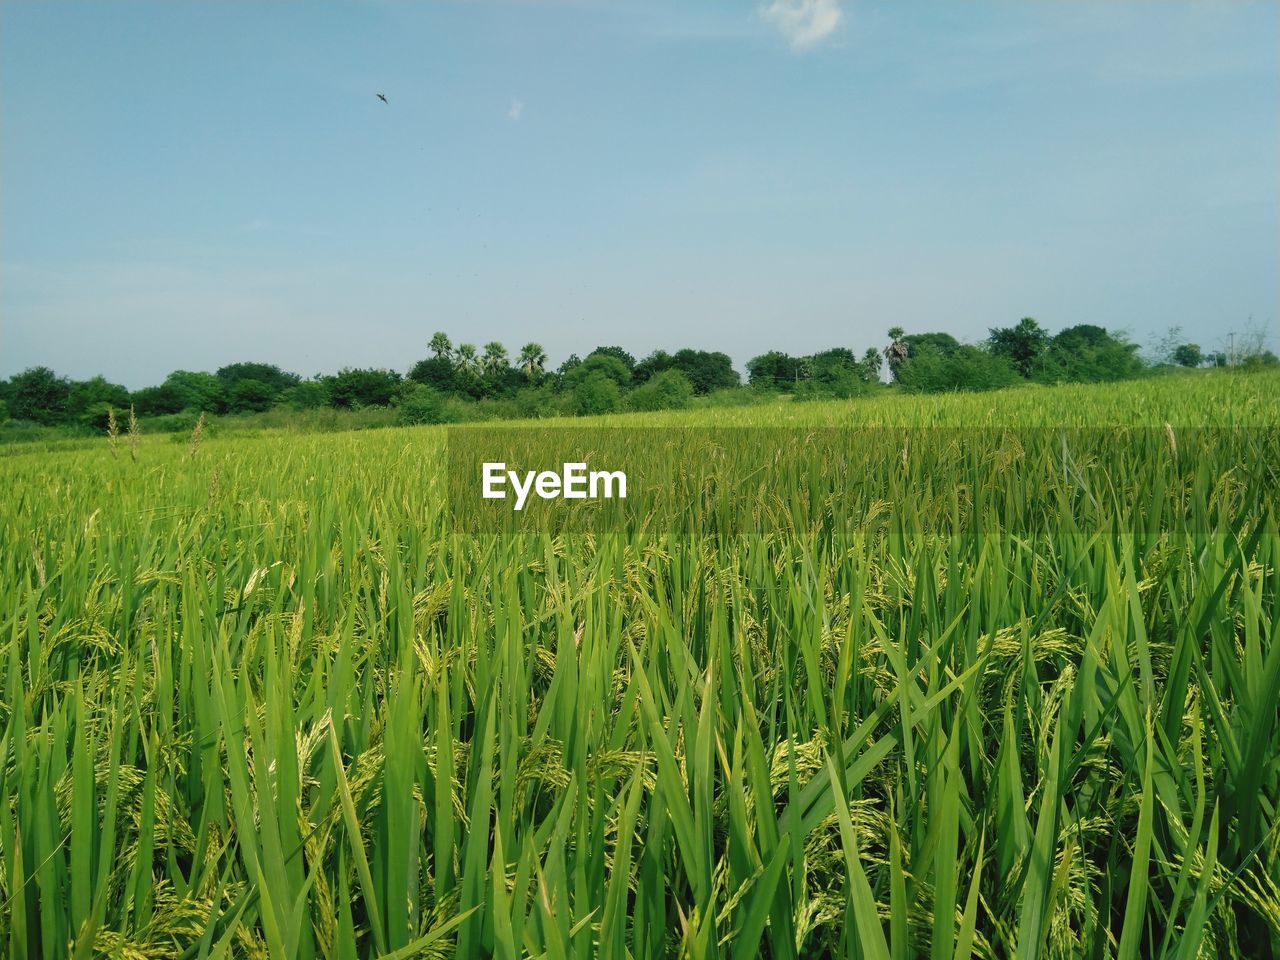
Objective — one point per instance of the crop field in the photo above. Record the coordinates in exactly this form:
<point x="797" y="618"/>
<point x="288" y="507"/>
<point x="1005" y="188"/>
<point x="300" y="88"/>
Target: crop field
<point x="261" y="697"/>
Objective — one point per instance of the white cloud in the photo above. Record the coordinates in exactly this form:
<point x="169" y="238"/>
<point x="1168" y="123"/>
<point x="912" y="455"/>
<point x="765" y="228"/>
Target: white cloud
<point x="804" y="23"/>
<point x="516" y="108"/>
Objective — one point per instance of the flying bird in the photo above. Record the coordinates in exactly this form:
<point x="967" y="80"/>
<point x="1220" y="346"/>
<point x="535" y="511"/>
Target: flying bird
<point x="383" y="98"/>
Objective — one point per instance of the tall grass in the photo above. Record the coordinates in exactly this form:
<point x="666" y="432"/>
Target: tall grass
<point x="265" y="702"/>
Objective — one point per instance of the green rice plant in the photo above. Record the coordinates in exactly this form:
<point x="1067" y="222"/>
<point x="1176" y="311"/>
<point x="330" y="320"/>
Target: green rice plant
<point x="269" y="701"/>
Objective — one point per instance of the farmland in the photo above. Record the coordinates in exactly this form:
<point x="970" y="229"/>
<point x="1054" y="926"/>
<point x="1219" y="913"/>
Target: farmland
<point x="260" y="697"/>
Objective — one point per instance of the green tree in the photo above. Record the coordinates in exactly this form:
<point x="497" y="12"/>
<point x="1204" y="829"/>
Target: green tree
<point x="895" y="354"/>
<point x="871" y="363"/>
<point x="39" y="395"/>
<point x="905" y="347"/>
<point x="1188" y="355"/>
<point x="596" y="394"/>
<point x="438" y="372"/>
<point x="533" y="360"/>
<point x="205" y="392"/>
<point x="598" y="363"/>
<point x="267" y="373"/>
<point x="159" y="400"/>
<point x="89" y="401"/>
<point x="440" y="345"/>
<point x="706" y="370"/>
<point x="627" y="359"/>
<point x="833" y="373"/>
<point x="251" y="396"/>
<point x="1087" y="353"/>
<point x="1021" y="345"/>
<point x="307" y="395"/>
<point x="495" y="358"/>
<point x="468" y="358"/>
<point x="353" y="388"/>
<point x="944" y="343"/>
<point x="774" y="370"/>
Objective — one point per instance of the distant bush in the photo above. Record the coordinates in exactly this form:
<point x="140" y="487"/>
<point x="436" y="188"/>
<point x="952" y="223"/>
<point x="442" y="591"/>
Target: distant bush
<point x="182" y="422"/>
<point x="965" y="367"/>
<point x="1087" y="353"/>
<point x="307" y="395"/>
<point x="532" y="403"/>
<point x="668" y="390"/>
<point x="1256" y="361"/>
<point x="424" y="405"/>
<point x="98" y="416"/>
<point x="251" y="396"/>
<point x="597" y="364"/>
<point x="597" y="394"/>
<point x="834" y="383"/>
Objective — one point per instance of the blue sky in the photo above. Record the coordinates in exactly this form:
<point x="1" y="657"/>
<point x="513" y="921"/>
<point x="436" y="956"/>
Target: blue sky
<point x="186" y="185"/>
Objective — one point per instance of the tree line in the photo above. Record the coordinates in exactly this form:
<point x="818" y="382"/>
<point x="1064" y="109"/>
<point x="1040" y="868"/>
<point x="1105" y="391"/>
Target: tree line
<point x="466" y="382"/>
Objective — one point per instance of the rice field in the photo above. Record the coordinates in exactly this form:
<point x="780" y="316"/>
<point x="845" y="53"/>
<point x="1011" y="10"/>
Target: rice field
<point x="260" y="697"/>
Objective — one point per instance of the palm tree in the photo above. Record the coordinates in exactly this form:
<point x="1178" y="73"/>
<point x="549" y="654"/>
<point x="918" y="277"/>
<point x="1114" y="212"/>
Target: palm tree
<point x="532" y="359"/>
<point x="495" y="357"/>
<point x="897" y="351"/>
<point x="871" y="363"/>
<point x="468" y="358"/>
<point x="440" y="344"/>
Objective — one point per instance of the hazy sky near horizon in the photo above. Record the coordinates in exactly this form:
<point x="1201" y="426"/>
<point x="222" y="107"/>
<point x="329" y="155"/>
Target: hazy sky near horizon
<point x="187" y="185"/>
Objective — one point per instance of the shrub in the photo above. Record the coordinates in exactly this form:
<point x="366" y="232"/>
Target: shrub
<point x="596" y="394"/>
<point x="1087" y="353"/>
<point x="597" y="364"/>
<point x="839" y="383"/>
<point x="180" y="423"/>
<point x="251" y="396"/>
<point x="424" y="405"/>
<point x="1263" y="358"/>
<point x="668" y="390"/>
<point x="307" y="395"/>
<point x="966" y="367"/>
